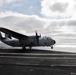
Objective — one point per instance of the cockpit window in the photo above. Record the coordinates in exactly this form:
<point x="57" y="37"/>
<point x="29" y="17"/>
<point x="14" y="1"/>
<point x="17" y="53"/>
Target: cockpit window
<point x="48" y="38"/>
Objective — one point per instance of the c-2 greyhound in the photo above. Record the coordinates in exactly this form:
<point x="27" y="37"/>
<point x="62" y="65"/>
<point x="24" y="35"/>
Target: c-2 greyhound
<point x="23" y="40"/>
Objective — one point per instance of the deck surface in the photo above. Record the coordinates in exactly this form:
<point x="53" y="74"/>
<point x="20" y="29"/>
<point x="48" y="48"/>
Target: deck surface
<point x="36" y="62"/>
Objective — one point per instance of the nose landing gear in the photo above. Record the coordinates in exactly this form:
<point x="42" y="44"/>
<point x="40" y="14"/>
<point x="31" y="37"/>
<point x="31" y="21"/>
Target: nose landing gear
<point x="51" y="47"/>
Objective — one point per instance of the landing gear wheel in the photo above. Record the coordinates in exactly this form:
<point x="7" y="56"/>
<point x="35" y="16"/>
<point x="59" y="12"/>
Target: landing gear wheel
<point x="23" y="48"/>
<point x="51" y="47"/>
<point x="30" y="47"/>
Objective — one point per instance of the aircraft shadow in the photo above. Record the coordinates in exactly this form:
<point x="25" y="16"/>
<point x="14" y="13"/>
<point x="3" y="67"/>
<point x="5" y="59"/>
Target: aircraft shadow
<point x="23" y="51"/>
<point x="29" y="51"/>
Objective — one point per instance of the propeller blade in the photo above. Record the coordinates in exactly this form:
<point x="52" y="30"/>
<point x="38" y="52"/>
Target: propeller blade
<point x="37" y="37"/>
<point x="37" y="40"/>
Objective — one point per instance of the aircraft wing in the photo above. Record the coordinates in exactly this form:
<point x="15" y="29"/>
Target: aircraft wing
<point x="13" y="34"/>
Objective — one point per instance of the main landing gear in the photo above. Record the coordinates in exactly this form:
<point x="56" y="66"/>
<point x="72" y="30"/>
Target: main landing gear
<point x="23" y="48"/>
<point x="30" y="47"/>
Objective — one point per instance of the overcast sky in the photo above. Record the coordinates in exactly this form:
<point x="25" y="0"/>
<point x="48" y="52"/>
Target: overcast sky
<point x="54" y="18"/>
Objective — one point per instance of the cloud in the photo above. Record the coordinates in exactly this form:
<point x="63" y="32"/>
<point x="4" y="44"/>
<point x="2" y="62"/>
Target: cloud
<point x="10" y="13"/>
<point x="72" y="22"/>
<point x="3" y="2"/>
<point x="66" y="30"/>
<point x="20" y="22"/>
<point x="8" y="1"/>
<point x="30" y="23"/>
<point x="61" y="9"/>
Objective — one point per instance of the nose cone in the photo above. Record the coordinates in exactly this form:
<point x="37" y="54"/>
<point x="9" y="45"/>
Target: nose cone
<point x="54" y="41"/>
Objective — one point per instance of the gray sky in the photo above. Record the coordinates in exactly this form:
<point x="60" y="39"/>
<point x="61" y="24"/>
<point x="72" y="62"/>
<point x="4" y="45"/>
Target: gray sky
<point x="54" y="18"/>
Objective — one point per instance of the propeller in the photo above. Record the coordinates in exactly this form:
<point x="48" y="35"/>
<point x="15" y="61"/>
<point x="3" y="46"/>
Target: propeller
<point x="37" y="37"/>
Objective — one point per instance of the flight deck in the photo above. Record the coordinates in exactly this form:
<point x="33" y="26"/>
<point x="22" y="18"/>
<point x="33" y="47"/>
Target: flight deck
<point x="36" y="62"/>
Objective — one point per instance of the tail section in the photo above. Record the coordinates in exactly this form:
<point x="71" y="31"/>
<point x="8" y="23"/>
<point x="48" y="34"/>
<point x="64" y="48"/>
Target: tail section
<point x="6" y="36"/>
